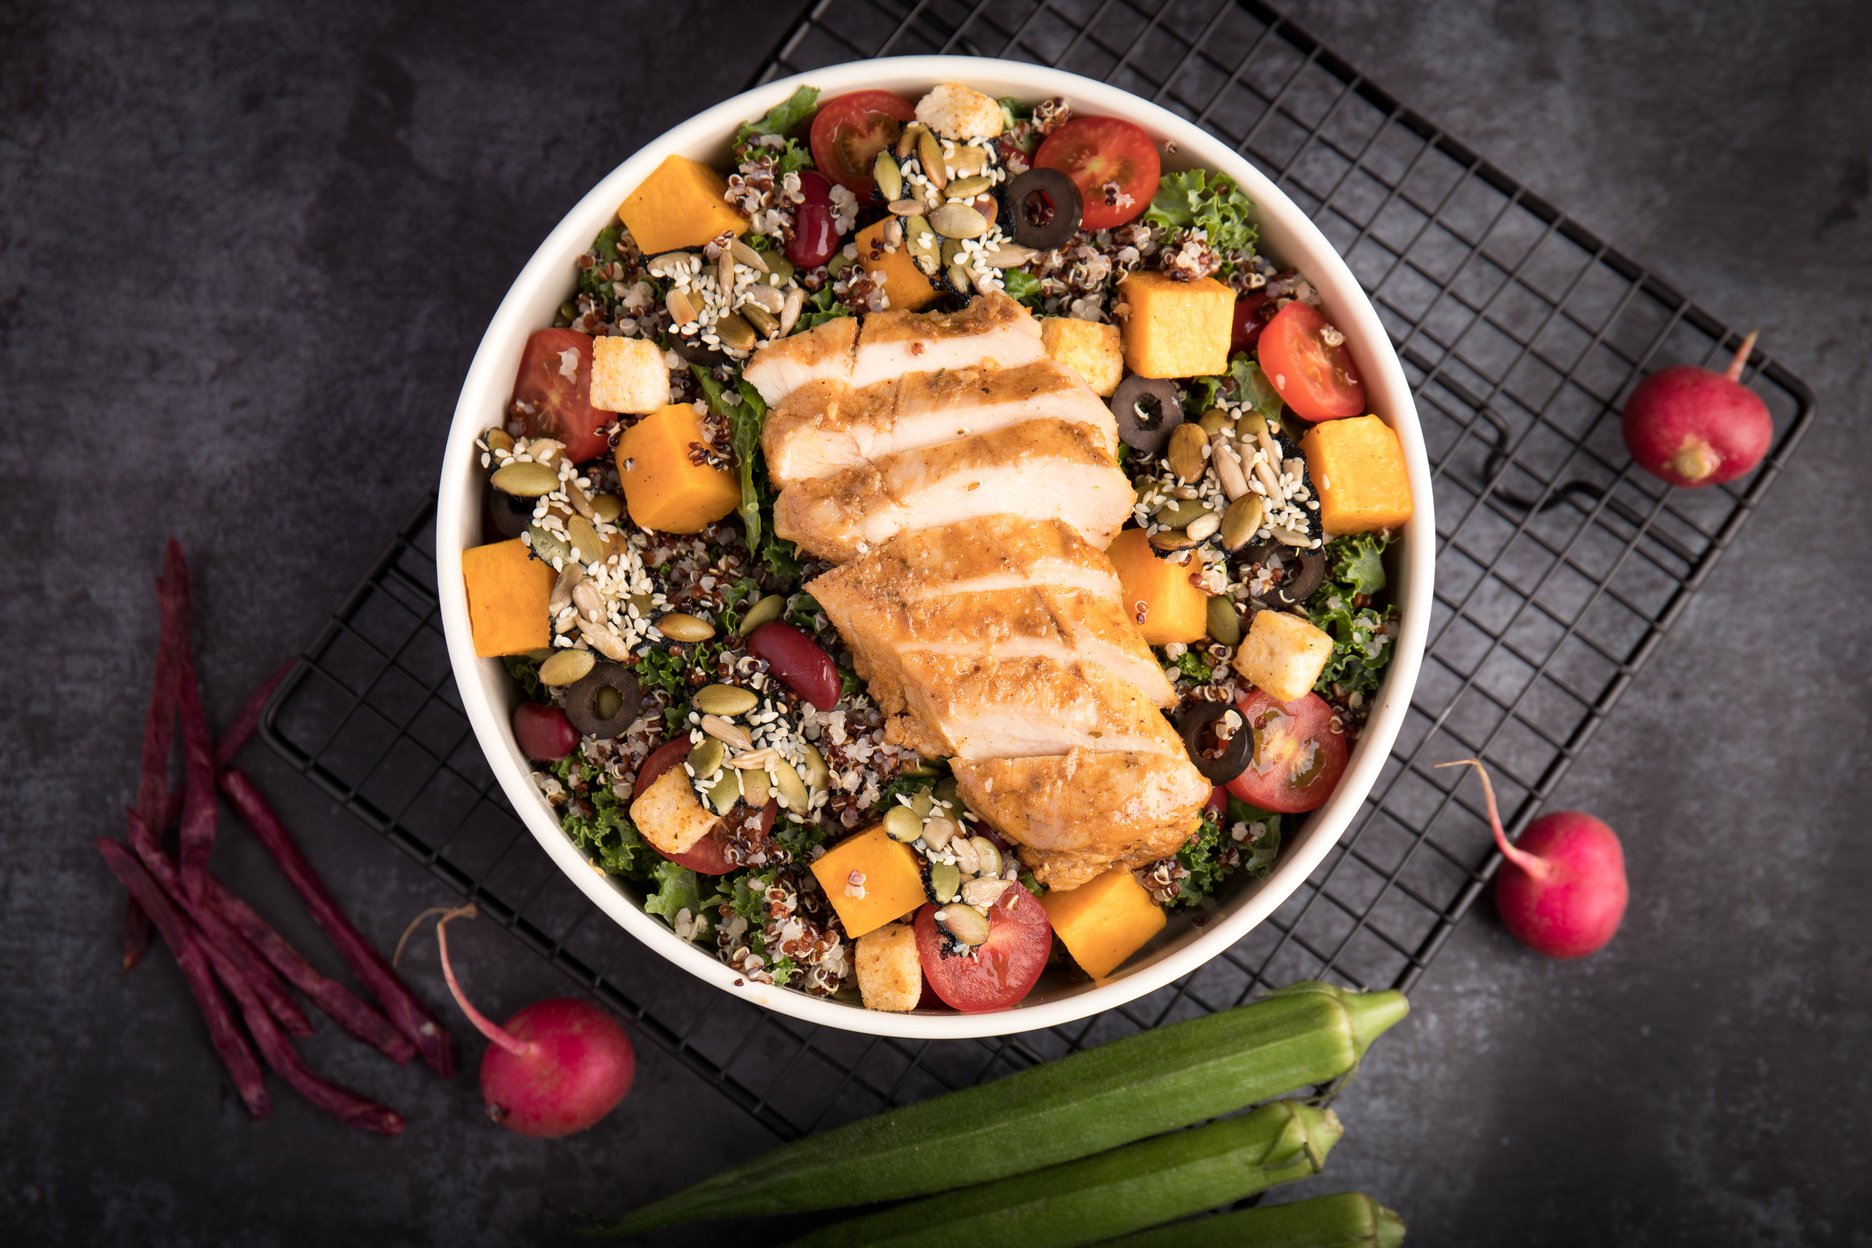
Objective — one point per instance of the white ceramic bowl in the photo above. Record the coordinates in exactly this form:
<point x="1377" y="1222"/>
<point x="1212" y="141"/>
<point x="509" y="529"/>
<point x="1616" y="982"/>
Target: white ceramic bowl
<point x="1286" y="235"/>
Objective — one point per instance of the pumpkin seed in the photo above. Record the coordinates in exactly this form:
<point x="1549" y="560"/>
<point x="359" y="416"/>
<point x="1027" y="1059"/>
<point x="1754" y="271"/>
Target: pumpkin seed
<point x="948" y="792"/>
<point x="725" y="792"/>
<point x="985" y="891"/>
<point x="1171" y="539"/>
<point x="585" y="540"/>
<point x="944" y="879"/>
<point x="706" y="758"/>
<point x="1291" y="537"/>
<point x="766" y="611"/>
<point x="951" y="253"/>
<point x="959" y="278"/>
<point x="922" y="803"/>
<point x="792" y="789"/>
<point x="904" y="207"/>
<point x="889" y="176"/>
<point x="987" y="856"/>
<point x="566" y="666"/>
<point x="790" y="314"/>
<point x="1227" y="464"/>
<point x="968" y="159"/>
<point x="902" y="824"/>
<point x="929" y="155"/>
<point x="524" y="480"/>
<point x="958" y="221"/>
<point x="969" y="188"/>
<point x="725" y="700"/>
<point x="1188" y="452"/>
<point x="680" y="626"/>
<point x="1177" y="515"/>
<point x="967" y="860"/>
<point x="747" y="255"/>
<point x="779" y="269"/>
<point x="763" y="321"/>
<point x="917" y="234"/>
<point x="548" y="546"/>
<point x="907" y="140"/>
<point x="1215" y="419"/>
<point x="1240" y="522"/>
<point x="607" y="507"/>
<point x="727" y="733"/>
<point x="1204" y="527"/>
<point x="817" y="773"/>
<point x="1225" y="624"/>
<point x="734" y="331"/>
<point x="938" y="831"/>
<point x="964" y="924"/>
<point x="756" y="788"/>
<point x="498" y="439"/>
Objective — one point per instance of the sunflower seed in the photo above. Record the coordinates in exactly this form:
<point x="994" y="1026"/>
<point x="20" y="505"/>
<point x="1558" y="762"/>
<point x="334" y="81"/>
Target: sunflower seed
<point x="907" y="140"/>
<point x="753" y="760"/>
<point x="964" y="924"/>
<point x="958" y="221"/>
<point x="1009" y="255"/>
<point x="747" y="255"/>
<point x="987" y="856"/>
<point x="1204" y="527"/>
<point x="1269" y="446"/>
<point x="889" y="176"/>
<point x="670" y="263"/>
<point x="966" y="859"/>
<point x="1187" y="452"/>
<point x="1227" y="464"/>
<point x="944" y="879"/>
<point x="768" y="297"/>
<point x="724" y="273"/>
<point x="524" y="480"/>
<point x="756" y="788"/>
<point x="904" y="207"/>
<point x="580" y="500"/>
<point x="561" y="596"/>
<point x="763" y="321"/>
<point x="902" y="824"/>
<point x="735" y="333"/>
<point x="817" y="773"/>
<point x="970" y="187"/>
<point x="725" y="700"/>
<point x="985" y="892"/>
<point x="544" y="450"/>
<point x="1241" y="521"/>
<point x="1269" y="479"/>
<point x="929" y="155"/>
<point x="681" y="309"/>
<point x="725" y="792"/>
<point x="605" y="640"/>
<point x="705" y="759"/>
<point x="588" y="600"/>
<point x="939" y="831"/>
<point x="792" y="789"/>
<point x="989" y="207"/>
<point x="586" y="543"/>
<point x="566" y="666"/>
<point x="498" y="439"/>
<point x="680" y="626"/>
<point x="893" y="232"/>
<point x="731" y="734"/>
<point x="1224" y="622"/>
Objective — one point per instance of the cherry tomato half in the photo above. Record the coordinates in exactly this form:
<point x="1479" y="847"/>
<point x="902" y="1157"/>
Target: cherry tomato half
<point x="849" y="131"/>
<point x="553" y="387"/>
<point x="708" y="856"/>
<point x="1217" y="804"/>
<point x="1298" y="757"/>
<point x="1002" y="970"/>
<point x="1318" y="381"/>
<point x="799" y="661"/>
<point x="1113" y="163"/>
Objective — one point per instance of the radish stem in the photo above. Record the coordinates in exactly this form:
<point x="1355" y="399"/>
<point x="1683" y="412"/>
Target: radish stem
<point x="1734" y="371"/>
<point x="1535" y="867"/>
<point x="482" y="1023"/>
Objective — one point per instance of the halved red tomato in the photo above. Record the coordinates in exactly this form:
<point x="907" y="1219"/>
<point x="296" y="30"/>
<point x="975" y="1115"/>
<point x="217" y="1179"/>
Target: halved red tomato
<point x="849" y="131"/>
<point x="1298" y="757"/>
<point x="1318" y="381"/>
<point x="708" y="856"/>
<point x="1000" y="972"/>
<point x="553" y="391"/>
<point x="1114" y="164"/>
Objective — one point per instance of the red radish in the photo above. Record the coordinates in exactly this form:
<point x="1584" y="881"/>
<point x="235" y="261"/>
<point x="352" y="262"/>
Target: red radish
<point x="1562" y="890"/>
<point x="554" y="1068"/>
<point x="1694" y="426"/>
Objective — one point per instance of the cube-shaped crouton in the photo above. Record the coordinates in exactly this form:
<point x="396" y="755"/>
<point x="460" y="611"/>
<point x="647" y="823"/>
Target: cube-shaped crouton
<point x="628" y="375"/>
<point x="1357" y="466"/>
<point x="958" y="112"/>
<point x="1283" y="655"/>
<point x="670" y="815"/>
<point x="1092" y="349"/>
<point x="508" y="591"/>
<point x="893" y="269"/>
<point x="870" y="880"/>
<point x="1176" y="329"/>
<point x="679" y="205"/>
<point x="890" y="975"/>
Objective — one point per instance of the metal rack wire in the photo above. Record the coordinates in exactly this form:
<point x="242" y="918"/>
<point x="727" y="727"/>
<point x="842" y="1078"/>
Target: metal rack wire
<point x="1560" y="568"/>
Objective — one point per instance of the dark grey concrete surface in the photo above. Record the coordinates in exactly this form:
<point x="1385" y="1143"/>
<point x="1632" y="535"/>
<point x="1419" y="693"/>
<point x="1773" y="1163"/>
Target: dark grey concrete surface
<point x="245" y="254"/>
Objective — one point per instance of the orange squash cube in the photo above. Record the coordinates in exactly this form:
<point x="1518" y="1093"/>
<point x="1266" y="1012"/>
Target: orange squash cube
<point x="679" y="205"/>
<point x="1176" y="329"/>
<point x="663" y="488"/>
<point x="507" y="593"/>
<point x="903" y="283"/>
<point x="1357" y="466"/>
<point x="1104" y="921"/>
<point x="870" y="880"/>
<point x="1159" y="596"/>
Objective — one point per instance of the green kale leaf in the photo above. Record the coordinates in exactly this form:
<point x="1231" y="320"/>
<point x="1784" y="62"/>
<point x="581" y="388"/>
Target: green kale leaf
<point x="673" y="889"/>
<point x="1213" y="854"/>
<point x="1196" y="666"/>
<point x="1021" y="286"/>
<point x="821" y="306"/>
<point x="606" y="835"/>
<point x="1363" y="633"/>
<point x="1244" y="383"/>
<point x="1193" y="200"/>
<point x="783" y="120"/>
<point x="526" y="672"/>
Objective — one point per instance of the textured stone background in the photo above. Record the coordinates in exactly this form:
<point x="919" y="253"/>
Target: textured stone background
<point x="245" y="254"/>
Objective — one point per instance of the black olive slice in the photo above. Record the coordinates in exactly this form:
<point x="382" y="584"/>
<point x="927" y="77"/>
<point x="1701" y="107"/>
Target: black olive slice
<point x="1043" y="207"/>
<point x="1219" y="761"/>
<point x="1147" y="409"/>
<point x="605" y="702"/>
<point x="696" y="351"/>
<point x="1306" y="577"/>
<point x="509" y="515"/>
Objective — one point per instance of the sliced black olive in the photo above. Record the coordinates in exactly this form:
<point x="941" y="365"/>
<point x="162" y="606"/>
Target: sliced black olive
<point x="696" y="351"/>
<point x="1147" y="409"/>
<point x="509" y="515"/>
<point x="1044" y="208"/>
<point x="605" y="702"/>
<point x="1219" y="761"/>
<point x="1308" y="571"/>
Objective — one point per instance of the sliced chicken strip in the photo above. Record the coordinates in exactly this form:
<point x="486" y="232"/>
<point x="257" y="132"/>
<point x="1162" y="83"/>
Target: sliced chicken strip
<point x="819" y="429"/>
<point x="1078" y="814"/>
<point x="1040" y="469"/>
<point x="992" y="329"/>
<point x="997" y="552"/>
<point x="822" y="353"/>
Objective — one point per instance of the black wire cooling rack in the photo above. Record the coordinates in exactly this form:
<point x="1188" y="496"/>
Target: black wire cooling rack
<point x="1559" y="567"/>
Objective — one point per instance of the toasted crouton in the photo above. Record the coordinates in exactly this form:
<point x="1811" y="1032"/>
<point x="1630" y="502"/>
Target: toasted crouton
<point x="628" y="375"/>
<point x="670" y="815"/>
<point x="1091" y="349"/>
<point x="1283" y="655"/>
<point x="890" y="975"/>
<point x="958" y="112"/>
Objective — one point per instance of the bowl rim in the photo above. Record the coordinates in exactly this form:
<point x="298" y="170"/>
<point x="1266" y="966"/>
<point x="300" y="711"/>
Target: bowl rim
<point x="546" y="273"/>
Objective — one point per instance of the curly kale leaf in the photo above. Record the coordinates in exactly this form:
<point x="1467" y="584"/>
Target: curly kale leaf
<point x="1022" y="286"/>
<point x="1244" y="383"/>
<point x="1213" y="854"/>
<point x="525" y="671"/>
<point x="1196" y="666"/>
<point x="1197" y="200"/>
<point x="673" y="888"/>
<point x="781" y="121"/>
<point x="741" y="406"/>
<point x="822" y="305"/>
<point x="606" y="834"/>
<point x="1363" y="634"/>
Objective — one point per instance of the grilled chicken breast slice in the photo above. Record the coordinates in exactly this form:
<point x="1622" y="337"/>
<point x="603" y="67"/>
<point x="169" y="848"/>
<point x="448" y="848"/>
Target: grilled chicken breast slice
<point x="1040" y="469"/>
<point x="822" y="428"/>
<point x="992" y="330"/>
<point x="997" y="552"/>
<point x="1077" y="815"/>
<point x="822" y="353"/>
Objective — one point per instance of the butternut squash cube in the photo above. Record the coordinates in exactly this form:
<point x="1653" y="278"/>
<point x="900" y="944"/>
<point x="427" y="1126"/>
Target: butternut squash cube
<point x="1176" y="329"/>
<point x="664" y="489"/>
<point x="903" y="283"/>
<point x="1104" y="921"/>
<point x="628" y="375"/>
<point x="890" y="974"/>
<point x="1159" y="596"/>
<point x="670" y="815"/>
<point x="870" y="880"/>
<point x="507" y="593"/>
<point x="1091" y="349"/>
<point x="679" y="205"/>
<point x="1283" y="655"/>
<point x="1357" y="466"/>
